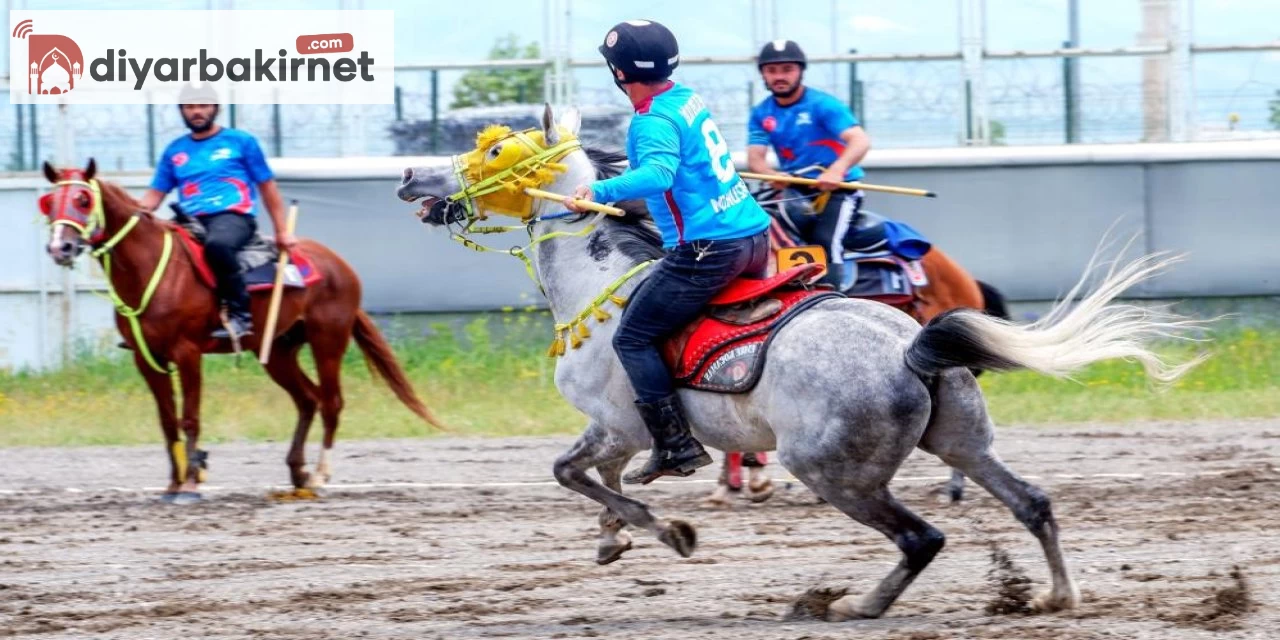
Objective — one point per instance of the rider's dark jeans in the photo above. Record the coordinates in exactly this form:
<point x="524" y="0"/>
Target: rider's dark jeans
<point x="678" y="287"/>
<point x="225" y="235"/>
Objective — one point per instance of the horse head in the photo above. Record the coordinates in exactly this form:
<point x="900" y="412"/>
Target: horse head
<point x="491" y="178"/>
<point x="74" y="211"/>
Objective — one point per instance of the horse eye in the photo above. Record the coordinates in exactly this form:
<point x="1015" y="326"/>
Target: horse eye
<point x="82" y="201"/>
<point x="494" y="151"/>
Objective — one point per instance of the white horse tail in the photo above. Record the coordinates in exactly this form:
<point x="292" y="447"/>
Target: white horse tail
<point x="1066" y="339"/>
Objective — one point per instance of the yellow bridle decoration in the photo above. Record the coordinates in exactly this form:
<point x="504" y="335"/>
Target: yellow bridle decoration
<point x="528" y="164"/>
<point x="97" y="220"/>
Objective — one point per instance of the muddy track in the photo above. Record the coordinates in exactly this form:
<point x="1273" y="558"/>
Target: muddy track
<point x="1172" y="530"/>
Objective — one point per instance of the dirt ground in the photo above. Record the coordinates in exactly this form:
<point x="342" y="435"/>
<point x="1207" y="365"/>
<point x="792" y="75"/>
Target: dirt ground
<point x="465" y="538"/>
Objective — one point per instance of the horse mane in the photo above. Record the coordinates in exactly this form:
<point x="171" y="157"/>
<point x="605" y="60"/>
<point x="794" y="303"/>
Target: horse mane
<point x="634" y="233"/>
<point x="116" y="199"/>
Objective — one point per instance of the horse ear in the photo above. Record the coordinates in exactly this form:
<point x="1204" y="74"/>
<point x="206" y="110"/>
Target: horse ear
<point x="90" y="169"/>
<point x="50" y="172"/>
<point x="549" y="131"/>
<point x="571" y="120"/>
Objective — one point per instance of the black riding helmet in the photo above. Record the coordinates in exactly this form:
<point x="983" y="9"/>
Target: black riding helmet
<point x="643" y="50"/>
<point x="781" y="51"/>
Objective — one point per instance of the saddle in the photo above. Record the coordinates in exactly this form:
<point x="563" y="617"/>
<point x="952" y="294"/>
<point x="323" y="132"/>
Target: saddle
<point x="257" y="259"/>
<point x="723" y="350"/>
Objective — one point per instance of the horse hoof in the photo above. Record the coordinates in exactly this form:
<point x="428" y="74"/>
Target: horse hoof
<point x="761" y="493"/>
<point x="816" y="604"/>
<point x="608" y="553"/>
<point x="293" y="495"/>
<point x="1049" y="602"/>
<point x="681" y="536"/>
<point x="181" y="498"/>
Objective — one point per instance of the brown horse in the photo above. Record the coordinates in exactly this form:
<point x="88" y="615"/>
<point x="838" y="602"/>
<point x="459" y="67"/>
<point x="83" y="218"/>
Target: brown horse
<point x="156" y="283"/>
<point x="950" y="287"/>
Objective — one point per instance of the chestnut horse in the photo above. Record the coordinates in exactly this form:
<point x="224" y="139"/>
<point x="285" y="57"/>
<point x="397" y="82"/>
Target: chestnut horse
<point x="166" y="314"/>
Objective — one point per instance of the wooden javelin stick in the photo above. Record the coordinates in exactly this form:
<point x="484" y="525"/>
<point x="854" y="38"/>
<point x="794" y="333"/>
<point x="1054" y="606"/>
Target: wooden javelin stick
<point x="585" y="204"/>
<point x="277" y="290"/>
<point x="902" y="191"/>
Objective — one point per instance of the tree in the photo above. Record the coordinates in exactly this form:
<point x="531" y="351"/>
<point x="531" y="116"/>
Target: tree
<point x="1275" y="111"/>
<point x="486" y="87"/>
<point x="997" y="133"/>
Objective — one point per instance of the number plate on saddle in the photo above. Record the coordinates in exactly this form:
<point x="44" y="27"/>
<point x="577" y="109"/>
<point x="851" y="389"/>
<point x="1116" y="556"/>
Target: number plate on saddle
<point x="795" y="256"/>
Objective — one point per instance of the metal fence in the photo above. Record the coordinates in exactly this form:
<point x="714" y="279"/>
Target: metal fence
<point x="973" y="95"/>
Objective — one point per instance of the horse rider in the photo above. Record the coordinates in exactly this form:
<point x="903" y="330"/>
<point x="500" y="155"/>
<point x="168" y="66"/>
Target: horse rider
<point x="814" y="135"/>
<point x="712" y="229"/>
<point x="221" y="175"/>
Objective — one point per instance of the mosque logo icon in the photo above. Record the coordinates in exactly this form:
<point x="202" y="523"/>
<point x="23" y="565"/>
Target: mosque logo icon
<point x="55" y="62"/>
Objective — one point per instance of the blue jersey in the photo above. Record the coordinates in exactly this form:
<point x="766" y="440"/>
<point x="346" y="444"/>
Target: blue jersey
<point x="219" y="173"/>
<point x="805" y="132"/>
<point x="681" y="166"/>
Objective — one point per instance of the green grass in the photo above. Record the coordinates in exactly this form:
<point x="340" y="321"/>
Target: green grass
<point x="491" y="377"/>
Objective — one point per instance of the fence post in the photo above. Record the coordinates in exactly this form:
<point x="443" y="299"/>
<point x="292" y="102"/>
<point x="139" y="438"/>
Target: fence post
<point x="277" y="134"/>
<point x="435" y="110"/>
<point x="151" y="135"/>
<point x="35" y="137"/>
<point x="20" y="144"/>
<point x="399" y="103"/>
<point x="855" y="91"/>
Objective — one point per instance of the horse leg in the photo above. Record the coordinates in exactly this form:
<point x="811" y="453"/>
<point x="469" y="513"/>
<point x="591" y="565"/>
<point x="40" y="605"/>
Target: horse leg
<point x="161" y="386"/>
<point x="596" y="447"/>
<point x="187" y="357"/>
<point x="955" y="486"/>
<point x="327" y="352"/>
<point x="284" y="370"/>
<point x="613" y="541"/>
<point x="918" y="540"/>
<point x="960" y="433"/>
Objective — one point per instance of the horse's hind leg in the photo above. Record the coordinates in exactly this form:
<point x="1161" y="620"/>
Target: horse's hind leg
<point x="613" y="541"/>
<point x="598" y="447"/>
<point x="960" y="433"/>
<point x="327" y="351"/>
<point x="283" y="368"/>
<point x="918" y="540"/>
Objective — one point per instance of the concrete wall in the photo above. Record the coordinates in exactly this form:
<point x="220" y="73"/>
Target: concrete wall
<point x="1026" y="219"/>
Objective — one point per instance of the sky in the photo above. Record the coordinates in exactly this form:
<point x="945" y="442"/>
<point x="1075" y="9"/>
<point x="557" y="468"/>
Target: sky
<point x="912" y="97"/>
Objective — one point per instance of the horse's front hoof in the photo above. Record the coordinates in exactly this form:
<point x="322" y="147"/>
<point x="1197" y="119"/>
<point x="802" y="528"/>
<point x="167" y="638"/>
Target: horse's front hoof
<point x="609" y="552"/>
<point x="181" y="498"/>
<point x="681" y="536"/>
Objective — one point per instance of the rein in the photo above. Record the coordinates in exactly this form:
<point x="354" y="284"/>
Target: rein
<point x="535" y="171"/>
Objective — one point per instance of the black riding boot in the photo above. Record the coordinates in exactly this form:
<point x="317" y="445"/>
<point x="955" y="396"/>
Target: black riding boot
<point x="675" y="451"/>
<point x="238" y="316"/>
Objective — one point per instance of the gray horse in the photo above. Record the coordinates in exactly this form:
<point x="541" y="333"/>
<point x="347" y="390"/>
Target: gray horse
<point x="850" y="387"/>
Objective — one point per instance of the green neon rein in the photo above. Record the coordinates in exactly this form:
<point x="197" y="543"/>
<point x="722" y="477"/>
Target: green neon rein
<point x="122" y="308"/>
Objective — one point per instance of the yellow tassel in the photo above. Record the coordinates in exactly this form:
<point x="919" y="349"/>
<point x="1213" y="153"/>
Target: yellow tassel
<point x="490" y="135"/>
<point x="618" y="300"/>
<point x="583" y="331"/>
<point x="600" y="314"/>
<point x="556" y="348"/>
<point x="574" y="340"/>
